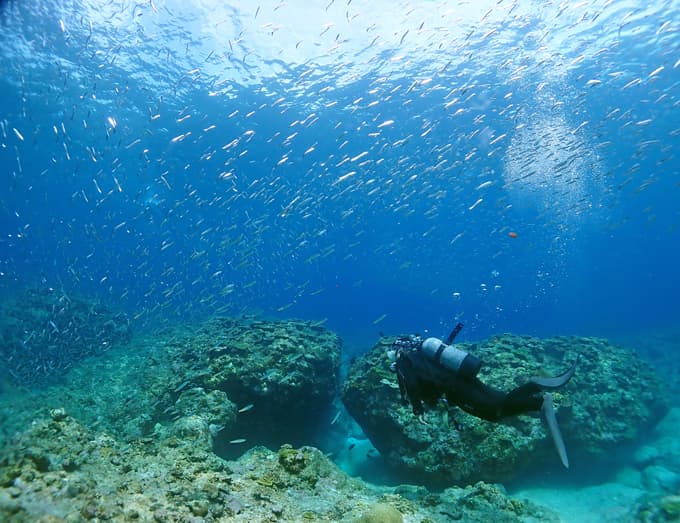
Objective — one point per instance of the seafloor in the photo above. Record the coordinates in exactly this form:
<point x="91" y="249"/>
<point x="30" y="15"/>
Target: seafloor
<point x="241" y="420"/>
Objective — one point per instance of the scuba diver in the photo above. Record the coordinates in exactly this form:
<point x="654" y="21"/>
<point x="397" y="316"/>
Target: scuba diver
<point x="429" y="369"/>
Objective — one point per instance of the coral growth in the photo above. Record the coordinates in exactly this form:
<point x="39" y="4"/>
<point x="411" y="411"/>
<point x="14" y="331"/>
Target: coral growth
<point x="457" y="447"/>
<point x="60" y="471"/>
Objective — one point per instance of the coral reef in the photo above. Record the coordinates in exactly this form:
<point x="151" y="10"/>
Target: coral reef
<point x="612" y="398"/>
<point x="660" y="508"/>
<point x="290" y="364"/>
<point x="658" y="463"/>
<point x="381" y="513"/>
<point x="250" y="381"/>
<point x="141" y="432"/>
<point x="60" y="471"/>
<point x="282" y="375"/>
<point x="44" y="332"/>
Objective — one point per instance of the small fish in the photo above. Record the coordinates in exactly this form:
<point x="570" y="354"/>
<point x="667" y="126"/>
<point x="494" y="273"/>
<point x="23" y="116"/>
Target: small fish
<point x="379" y="319"/>
<point x="497" y="139"/>
<point x="631" y="84"/>
<point x="237" y="441"/>
<point x="246" y="408"/>
<point x="389" y="383"/>
<point x="181" y="386"/>
<point x="358" y="156"/>
<point x="402" y="37"/>
<point x="216" y="429"/>
<point x="656" y="71"/>
<point x="475" y="204"/>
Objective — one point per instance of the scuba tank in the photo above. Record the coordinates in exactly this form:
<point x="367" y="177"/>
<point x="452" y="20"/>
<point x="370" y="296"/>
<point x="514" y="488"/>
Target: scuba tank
<point x="442" y="353"/>
<point x="452" y="358"/>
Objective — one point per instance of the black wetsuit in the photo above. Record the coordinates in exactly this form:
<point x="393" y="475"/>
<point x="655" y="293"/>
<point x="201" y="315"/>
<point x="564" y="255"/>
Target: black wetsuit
<point x="423" y="381"/>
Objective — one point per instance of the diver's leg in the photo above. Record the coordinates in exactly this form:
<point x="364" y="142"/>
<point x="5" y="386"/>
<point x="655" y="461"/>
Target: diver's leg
<point x="525" y="398"/>
<point x="476" y="398"/>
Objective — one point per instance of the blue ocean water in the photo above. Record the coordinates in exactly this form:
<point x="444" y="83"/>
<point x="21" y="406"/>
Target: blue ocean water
<point x="376" y="166"/>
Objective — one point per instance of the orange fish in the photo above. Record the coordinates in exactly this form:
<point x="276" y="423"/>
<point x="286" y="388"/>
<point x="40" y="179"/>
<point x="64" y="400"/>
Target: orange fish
<point x="512" y="234"/>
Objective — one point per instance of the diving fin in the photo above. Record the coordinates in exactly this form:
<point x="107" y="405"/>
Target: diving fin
<point x="556" y="382"/>
<point x="549" y="414"/>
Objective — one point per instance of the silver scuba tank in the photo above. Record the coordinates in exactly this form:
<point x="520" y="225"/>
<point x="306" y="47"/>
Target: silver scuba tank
<point x="457" y="360"/>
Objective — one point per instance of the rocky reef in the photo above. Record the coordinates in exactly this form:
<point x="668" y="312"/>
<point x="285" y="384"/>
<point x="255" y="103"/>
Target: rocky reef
<point x="44" y="332"/>
<point x="281" y="375"/>
<point x="58" y="470"/>
<point x="612" y="399"/>
<point x="661" y="349"/>
<point x="250" y="381"/>
<point x="659" y="509"/>
<point x="657" y="464"/>
<point x="219" y="422"/>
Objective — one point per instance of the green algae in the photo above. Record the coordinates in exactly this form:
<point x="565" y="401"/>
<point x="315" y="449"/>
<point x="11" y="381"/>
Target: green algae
<point x="293" y="460"/>
<point x="671" y="507"/>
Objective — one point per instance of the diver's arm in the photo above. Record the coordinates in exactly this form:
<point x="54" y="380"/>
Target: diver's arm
<point x="408" y="384"/>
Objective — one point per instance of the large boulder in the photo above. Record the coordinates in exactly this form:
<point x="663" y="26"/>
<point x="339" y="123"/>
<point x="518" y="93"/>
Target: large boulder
<point x="282" y="375"/>
<point x="229" y="383"/>
<point x="612" y="398"/>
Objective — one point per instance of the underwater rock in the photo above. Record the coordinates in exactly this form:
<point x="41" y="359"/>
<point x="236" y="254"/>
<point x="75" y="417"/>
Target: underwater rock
<point x="250" y="381"/>
<point x="283" y="375"/>
<point x="657" y="478"/>
<point x="44" y="332"/>
<point x="154" y="479"/>
<point x="58" y="414"/>
<point x="671" y="507"/>
<point x="486" y="502"/>
<point x="665" y="443"/>
<point x="646" y="455"/>
<point x="613" y="397"/>
<point x="214" y="407"/>
<point x="381" y="513"/>
<point x="358" y="457"/>
<point x="194" y="430"/>
<point x="658" y="509"/>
